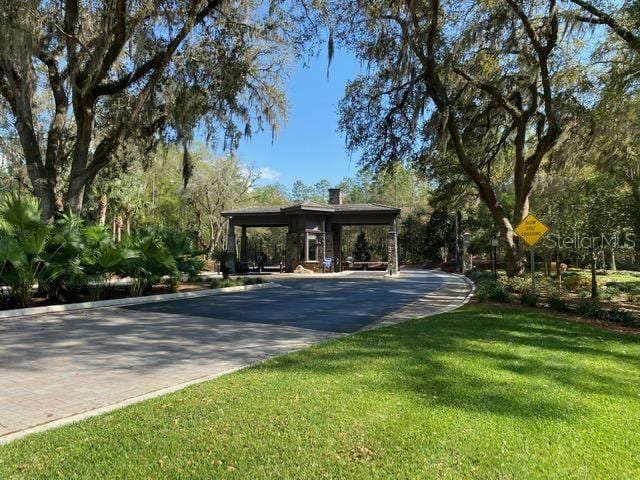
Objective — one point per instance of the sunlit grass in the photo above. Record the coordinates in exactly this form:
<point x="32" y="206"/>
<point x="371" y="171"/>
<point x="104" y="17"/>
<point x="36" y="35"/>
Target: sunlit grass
<point x="483" y="392"/>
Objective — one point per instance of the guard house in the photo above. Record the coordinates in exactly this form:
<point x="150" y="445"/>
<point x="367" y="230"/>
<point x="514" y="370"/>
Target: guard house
<point x="314" y="229"/>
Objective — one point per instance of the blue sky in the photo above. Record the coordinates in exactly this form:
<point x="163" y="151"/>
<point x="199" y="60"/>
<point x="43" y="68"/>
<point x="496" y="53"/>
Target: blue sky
<point x="308" y="147"/>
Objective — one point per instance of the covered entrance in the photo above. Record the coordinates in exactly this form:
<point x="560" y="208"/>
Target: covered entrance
<point x="314" y="230"/>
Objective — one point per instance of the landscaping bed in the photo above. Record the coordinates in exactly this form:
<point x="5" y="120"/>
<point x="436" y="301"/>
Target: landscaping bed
<point x="110" y="293"/>
<point x="124" y="291"/>
<point x="71" y="261"/>
<point x="616" y="306"/>
<point x="481" y="392"/>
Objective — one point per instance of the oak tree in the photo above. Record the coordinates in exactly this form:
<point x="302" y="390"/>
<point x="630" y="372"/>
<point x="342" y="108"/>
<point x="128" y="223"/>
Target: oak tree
<point x="78" y="79"/>
<point x="484" y="83"/>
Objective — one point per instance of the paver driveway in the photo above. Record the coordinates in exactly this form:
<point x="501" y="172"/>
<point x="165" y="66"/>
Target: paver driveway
<point x="59" y="367"/>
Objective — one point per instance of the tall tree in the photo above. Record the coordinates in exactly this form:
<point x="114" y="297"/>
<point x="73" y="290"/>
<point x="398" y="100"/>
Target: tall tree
<point x="219" y="184"/>
<point x="80" y="78"/>
<point x="488" y="81"/>
<point x="622" y="18"/>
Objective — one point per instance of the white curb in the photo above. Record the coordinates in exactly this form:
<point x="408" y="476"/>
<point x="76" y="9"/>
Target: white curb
<point x="469" y="282"/>
<point x="25" y="312"/>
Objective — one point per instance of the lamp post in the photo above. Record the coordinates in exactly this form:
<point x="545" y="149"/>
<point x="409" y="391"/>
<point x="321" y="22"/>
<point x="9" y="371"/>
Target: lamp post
<point x="459" y="267"/>
<point x="466" y="240"/>
<point x="494" y="245"/>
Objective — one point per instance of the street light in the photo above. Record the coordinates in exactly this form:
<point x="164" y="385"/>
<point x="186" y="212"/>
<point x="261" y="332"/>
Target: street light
<point x="494" y="244"/>
<point x="466" y="240"/>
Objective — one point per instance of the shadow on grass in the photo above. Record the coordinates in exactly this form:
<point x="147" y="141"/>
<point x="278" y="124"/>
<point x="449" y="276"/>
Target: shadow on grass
<point x="632" y="287"/>
<point x="506" y="362"/>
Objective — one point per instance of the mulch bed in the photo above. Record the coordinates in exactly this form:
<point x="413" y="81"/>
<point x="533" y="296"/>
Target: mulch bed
<point x="110" y="293"/>
<point x="572" y="317"/>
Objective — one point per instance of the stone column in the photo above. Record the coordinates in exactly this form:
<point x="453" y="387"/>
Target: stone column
<point x="392" y="249"/>
<point x="328" y="247"/>
<point x="321" y="247"/>
<point x="295" y="242"/>
<point x="231" y="247"/>
<point x="243" y="245"/>
<point x="337" y="247"/>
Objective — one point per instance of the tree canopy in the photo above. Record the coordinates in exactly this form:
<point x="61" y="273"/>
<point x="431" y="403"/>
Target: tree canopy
<point x="82" y="80"/>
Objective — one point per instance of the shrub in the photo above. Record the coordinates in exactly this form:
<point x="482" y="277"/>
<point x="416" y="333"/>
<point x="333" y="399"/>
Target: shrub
<point x="529" y="298"/>
<point x="618" y="315"/>
<point x="480" y="276"/>
<point x="482" y="292"/>
<point x="628" y="287"/>
<point x="590" y="308"/>
<point x="499" y="294"/>
<point x="235" y="282"/>
<point x="102" y="259"/>
<point x="68" y="254"/>
<point x="517" y="284"/>
<point x="491" y="291"/>
<point x="608" y="293"/>
<point x="186" y="257"/>
<point x="23" y="241"/>
<point x="575" y="282"/>
<point x="221" y="256"/>
<point x="558" y="303"/>
<point x="150" y="261"/>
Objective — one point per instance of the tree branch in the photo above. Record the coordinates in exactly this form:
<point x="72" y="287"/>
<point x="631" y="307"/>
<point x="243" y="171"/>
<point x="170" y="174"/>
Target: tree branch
<point x="161" y="56"/>
<point x="514" y="111"/>
<point x="604" y="18"/>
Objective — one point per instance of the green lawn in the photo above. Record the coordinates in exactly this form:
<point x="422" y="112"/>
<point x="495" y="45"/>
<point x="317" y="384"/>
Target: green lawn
<point x="483" y="392"/>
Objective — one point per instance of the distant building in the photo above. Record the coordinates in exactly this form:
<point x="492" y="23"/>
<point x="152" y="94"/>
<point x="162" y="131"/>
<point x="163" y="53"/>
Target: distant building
<point x="314" y="229"/>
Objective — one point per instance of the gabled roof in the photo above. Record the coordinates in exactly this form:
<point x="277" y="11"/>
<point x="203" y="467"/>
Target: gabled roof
<point x="309" y="206"/>
<point x="267" y="209"/>
<point x="365" y="207"/>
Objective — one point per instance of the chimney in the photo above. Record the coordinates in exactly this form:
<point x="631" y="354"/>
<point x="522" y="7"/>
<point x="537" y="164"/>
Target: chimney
<point x="335" y="196"/>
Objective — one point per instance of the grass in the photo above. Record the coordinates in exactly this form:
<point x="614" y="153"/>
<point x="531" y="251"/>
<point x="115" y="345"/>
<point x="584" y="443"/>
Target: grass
<point x="611" y="284"/>
<point x="235" y="282"/>
<point x="482" y="392"/>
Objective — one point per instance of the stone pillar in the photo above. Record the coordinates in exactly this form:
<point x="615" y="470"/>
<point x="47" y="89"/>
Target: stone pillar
<point x="328" y="246"/>
<point x="336" y="235"/>
<point x="392" y="249"/>
<point x="243" y="246"/>
<point x="322" y="252"/>
<point x="295" y="245"/>
<point x="231" y="248"/>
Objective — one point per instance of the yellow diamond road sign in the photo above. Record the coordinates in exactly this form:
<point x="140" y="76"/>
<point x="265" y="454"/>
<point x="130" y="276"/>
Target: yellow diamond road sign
<point x="531" y="230"/>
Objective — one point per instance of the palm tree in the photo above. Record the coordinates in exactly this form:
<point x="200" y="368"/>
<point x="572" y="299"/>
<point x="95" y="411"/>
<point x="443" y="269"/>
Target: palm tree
<point x="222" y="256"/>
<point x="23" y="240"/>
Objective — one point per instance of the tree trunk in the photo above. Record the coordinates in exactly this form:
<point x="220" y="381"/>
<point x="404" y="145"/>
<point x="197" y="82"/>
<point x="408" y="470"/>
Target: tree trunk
<point x="128" y="212"/>
<point x="118" y="229"/>
<point x="513" y="254"/>
<point x="102" y="210"/>
<point x="558" y="268"/>
<point x="75" y="195"/>
<point x="594" y="283"/>
<point x="612" y="260"/>
<point x="47" y="198"/>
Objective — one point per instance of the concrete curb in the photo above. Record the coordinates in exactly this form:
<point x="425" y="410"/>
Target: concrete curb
<point x="166" y="297"/>
<point x="469" y="282"/>
<point x="415" y="310"/>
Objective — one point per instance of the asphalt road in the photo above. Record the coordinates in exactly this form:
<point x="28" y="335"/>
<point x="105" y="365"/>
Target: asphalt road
<point x="61" y="367"/>
<point x="340" y="305"/>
